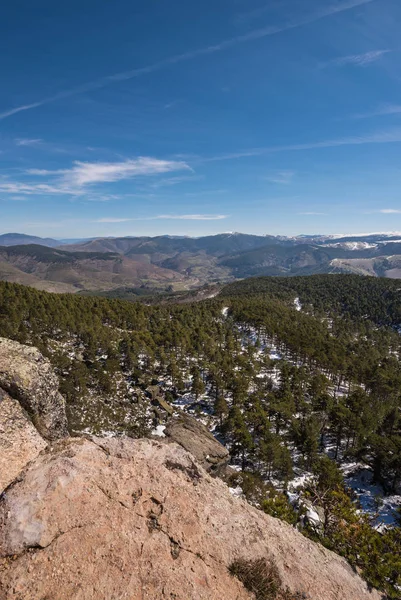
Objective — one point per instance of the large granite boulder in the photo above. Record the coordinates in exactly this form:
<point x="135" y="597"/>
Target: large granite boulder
<point x="197" y="439"/>
<point x="20" y="443"/>
<point x="29" y="378"/>
<point x="139" y="519"/>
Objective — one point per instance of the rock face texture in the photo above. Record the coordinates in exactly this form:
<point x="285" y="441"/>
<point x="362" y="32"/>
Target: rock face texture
<point x="198" y="441"/>
<point x="29" y="378"/>
<point x="20" y="443"/>
<point x="139" y="519"/>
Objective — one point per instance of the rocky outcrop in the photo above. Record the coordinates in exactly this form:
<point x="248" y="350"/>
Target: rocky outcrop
<point x="29" y="378"/>
<point x="198" y="441"/>
<point x="20" y="443"/>
<point x="139" y="519"/>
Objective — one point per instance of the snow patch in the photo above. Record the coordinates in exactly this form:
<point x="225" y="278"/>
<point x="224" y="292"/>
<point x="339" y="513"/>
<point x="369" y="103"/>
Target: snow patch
<point x="371" y="496"/>
<point x="297" y="303"/>
<point x="236" y="492"/>
<point x="159" y="431"/>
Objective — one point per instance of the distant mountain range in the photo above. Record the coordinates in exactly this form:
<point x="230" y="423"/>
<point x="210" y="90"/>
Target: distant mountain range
<point x="177" y="263"/>
<point x="15" y="239"/>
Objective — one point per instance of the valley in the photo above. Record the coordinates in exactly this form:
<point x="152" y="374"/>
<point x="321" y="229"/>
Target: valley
<point x="116" y="266"/>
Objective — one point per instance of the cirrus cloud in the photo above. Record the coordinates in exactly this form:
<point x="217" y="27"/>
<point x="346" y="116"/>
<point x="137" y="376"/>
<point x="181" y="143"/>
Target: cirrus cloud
<point x="82" y="174"/>
<point x="195" y="217"/>
<point x="281" y="177"/>
<point x="28" y="141"/>
<point x="84" y="177"/>
<point x="381" y="111"/>
<point x="313" y="213"/>
<point x="357" y="60"/>
<point x="255" y="34"/>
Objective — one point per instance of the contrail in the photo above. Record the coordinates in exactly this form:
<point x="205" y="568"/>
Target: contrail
<point x="223" y="45"/>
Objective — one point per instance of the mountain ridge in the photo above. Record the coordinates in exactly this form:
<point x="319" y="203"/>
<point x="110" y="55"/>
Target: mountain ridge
<point x="184" y="263"/>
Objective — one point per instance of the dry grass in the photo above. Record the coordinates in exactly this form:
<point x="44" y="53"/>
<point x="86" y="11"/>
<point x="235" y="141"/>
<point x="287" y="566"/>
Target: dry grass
<point x="261" y="577"/>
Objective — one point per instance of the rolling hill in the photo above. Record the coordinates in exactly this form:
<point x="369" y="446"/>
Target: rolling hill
<point x="216" y="245"/>
<point x="179" y="263"/>
<point x="56" y="270"/>
<point x="18" y="239"/>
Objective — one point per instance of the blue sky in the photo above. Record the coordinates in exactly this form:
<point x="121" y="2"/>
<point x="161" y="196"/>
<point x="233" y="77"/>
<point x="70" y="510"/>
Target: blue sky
<point x="145" y="118"/>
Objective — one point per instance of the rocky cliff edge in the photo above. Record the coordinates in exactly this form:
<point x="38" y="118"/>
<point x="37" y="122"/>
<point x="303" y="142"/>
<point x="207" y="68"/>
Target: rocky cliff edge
<point x="139" y="519"/>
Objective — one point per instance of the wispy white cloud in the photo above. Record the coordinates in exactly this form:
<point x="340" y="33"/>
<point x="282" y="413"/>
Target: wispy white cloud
<point x="195" y="217"/>
<point x="172" y="104"/>
<point x="82" y="173"/>
<point x="170" y="181"/>
<point x="7" y="198"/>
<point x="28" y="142"/>
<point x="206" y="193"/>
<point x="112" y="220"/>
<point x="381" y="111"/>
<point x="104" y="197"/>
<point x="357" y="60"/>
<point x="255" y="34"/>
<point x="82" y="176"/>
<point x="311" y="212"/>
<point x="43" y="172"/>
<point x="329" y="10"/>
<point x="234" y="155"/>
<point x="18" y="109"/>
<point x="281" y="177"/>
<point x="389" y="211"/>
<point x="379" y="137"/>
<point x="30" y="189"/>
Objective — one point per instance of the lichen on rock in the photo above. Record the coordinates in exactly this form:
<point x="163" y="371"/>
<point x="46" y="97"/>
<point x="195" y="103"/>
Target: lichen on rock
<point x="28" y="377"/>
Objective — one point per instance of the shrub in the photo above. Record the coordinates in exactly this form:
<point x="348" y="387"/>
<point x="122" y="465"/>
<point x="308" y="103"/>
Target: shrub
<point x="261" y="577"/>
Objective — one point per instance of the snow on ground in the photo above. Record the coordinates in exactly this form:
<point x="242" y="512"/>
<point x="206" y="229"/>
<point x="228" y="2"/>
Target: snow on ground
<point x="236" y="492"/>
<point x="159" y="431"/>
<point x="299" y="481"/>
<point x="184" y="400"/>
<point x="103" y="433"/>
<point x="353" y="245"/>
<point x="313" y="517"/>
<point x="297" y="304"/>
<point x="251" y="336"/>
<point x="274" y="354"/>
<point x="359" y="478"/>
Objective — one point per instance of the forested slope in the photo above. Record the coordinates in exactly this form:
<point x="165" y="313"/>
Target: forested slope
<point x="295" y="375"/>
<point x="358" y="297"/>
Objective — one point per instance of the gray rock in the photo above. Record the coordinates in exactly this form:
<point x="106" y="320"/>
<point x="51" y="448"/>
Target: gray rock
<point x="198" y="441"/>
<point x="29" y="378"/>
